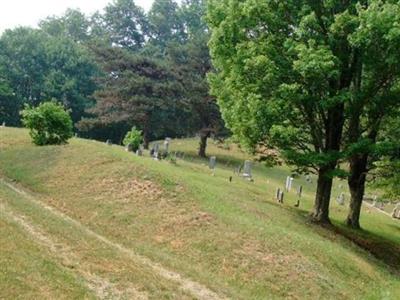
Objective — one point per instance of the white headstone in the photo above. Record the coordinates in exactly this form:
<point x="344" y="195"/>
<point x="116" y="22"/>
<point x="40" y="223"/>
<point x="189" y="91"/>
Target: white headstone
<point x="290" y="183"/>
<point x="213" y="162"/>
<point x="287" y="183"/>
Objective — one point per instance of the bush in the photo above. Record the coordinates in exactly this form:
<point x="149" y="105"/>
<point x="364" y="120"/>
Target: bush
<point x="133" y="138"/>
<point x="49" y="123"/>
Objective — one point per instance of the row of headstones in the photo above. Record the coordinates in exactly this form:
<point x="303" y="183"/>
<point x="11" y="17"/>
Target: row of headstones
<point x="280" y="193"/>
<point x="247" y="174"/>
<point x="155" y="150"/>
<point x="157" y="153"/>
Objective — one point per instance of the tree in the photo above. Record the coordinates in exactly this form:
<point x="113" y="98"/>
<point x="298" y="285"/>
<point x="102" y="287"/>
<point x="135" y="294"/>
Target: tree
<point x="8" y="104"/>
<point x="165" y="24"/>
<point x="376" y="94"/>
<point x="73" y="25"/>
<point x="296" y="74"/>
<point x="41" y="67"/>
<point x="124" y="23"/>
<point x="192" y="58"/>
<point x="283" y="78"/>
<point x="137" y="91"/>
<point x="49" y="123"/>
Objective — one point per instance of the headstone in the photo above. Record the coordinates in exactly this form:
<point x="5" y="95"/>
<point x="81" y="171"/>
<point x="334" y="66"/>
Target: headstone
<point x="340" y="199"/>
<point x="213" y="163"/>
<point x="247" y="170"/>
<point x="156" y="151"/>
<point x="3" y="125"/>
<point x="278" y="192"/>
<point x="289" y="183"/>
<point x="281" y="195"/>
<point x="139" y="152"/>
<point x="230" y="178"/>
<point x="129" y="148"/>
<point x="166" y="145"/>
<point x="299" y="191"/>
<point x="109" y="142"/>
<point x="75" y="135"/>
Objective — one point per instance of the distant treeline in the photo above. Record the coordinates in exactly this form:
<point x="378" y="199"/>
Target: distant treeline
<point x="115" y="69"/>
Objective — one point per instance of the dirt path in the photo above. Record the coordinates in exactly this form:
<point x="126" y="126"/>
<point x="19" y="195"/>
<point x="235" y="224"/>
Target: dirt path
<point x="196" y="289"/>
<point x="101" y="286"/>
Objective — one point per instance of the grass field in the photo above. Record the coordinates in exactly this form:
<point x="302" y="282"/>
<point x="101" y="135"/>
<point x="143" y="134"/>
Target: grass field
<point x="87" y="220"/>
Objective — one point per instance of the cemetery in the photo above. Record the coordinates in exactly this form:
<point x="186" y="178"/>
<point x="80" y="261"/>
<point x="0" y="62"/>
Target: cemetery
<point x="200" y="149"/>
<point x="131" y="189"/>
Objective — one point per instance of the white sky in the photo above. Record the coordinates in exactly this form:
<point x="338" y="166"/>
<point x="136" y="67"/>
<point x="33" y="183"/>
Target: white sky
<point x="14" y="13"/>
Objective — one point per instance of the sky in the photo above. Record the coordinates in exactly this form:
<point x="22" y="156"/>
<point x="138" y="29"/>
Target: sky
<point x="15" y="13"/>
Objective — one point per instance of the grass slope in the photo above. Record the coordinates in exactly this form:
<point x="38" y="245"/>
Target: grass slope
<point x="231" y="237"/>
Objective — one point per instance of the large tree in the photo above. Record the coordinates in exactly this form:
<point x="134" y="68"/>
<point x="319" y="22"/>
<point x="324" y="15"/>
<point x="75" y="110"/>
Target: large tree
<point x="39" y="67"/>
<point x="193" y="60"/>
<point x="124" y="23"/>
<point x="375" y="100"/>
<point x="8" y="104"/>
<point x="137" y="91"/>
<point x="285" y="73"/>
<point x="298" y="74"/>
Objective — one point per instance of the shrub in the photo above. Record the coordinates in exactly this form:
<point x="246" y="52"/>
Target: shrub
<point x="49" y="123"/>
<point x="133" y="138"/>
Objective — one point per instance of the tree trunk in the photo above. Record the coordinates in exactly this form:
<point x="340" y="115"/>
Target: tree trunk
<point x="146" y="140"/>
<point x="320" y="212"/>
<point x="203" y="144"/>
<point x="358" y="173"/>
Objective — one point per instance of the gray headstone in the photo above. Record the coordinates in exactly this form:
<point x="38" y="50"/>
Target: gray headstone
<point x="156" y="150"/>
<point x="109" y="142"/>
<point x="129" y="148"/>
<point x="281" y="196"/>
<point x="166" y="144"/>
<point x="247" y="169"/>
<point x="278" y="192"/>
<point x="299" y="191"/>
<point x="139" y="152"/>
<point x="213" y="162"/>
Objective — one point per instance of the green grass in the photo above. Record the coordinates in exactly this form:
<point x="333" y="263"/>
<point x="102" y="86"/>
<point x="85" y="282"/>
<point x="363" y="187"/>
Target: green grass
<point x="231" y="237"/>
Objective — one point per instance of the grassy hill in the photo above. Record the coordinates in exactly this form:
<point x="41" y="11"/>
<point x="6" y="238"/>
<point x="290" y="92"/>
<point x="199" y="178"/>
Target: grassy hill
<point x="87" y="220"/>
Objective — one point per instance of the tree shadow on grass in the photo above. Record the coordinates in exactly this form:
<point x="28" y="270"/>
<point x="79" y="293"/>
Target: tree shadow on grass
<point x="380" y="247"/>
<point x="383" y="249"/>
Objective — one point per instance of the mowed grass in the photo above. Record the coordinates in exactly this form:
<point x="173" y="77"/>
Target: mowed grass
<point x="231" y="237"/>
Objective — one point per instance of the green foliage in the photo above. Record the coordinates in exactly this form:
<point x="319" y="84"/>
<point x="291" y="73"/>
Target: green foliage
<point x="387" y="177"/>
<point x="38" y="66"/>
<point x="49" y="123"/>
<point x="133" y="138"/>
